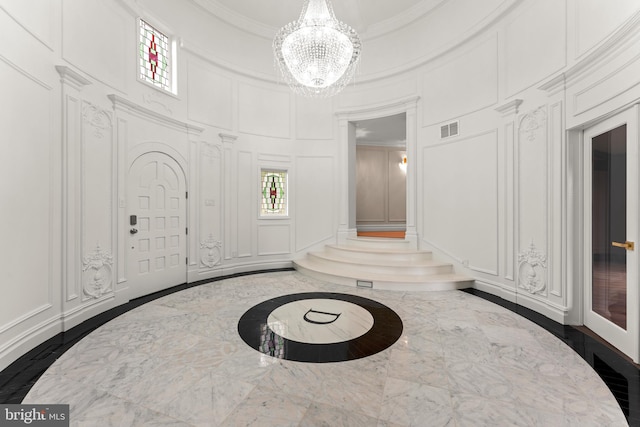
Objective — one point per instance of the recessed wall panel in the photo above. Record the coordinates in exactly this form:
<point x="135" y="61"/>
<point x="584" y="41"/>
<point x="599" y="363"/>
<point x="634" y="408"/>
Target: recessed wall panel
<point x="534" y="51"/>
<point x="26" y="186"/>
<point x="37" y="16"/>
<point x="461" y="200"/>
<point x="315" y="200"/>
<point x="597" y="19"/>
<point x="263" y="111"/>
<point x="466" y="84"/>
<point x="314" y="118"/>
<point x="274" y="239"/>
<point x="210" y="99"/>
<point x="96" y="35"/>
<point x="371" y="180"/>
<point x="246" y="205"/>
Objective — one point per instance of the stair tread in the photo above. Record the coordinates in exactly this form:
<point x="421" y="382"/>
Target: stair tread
<point x="378" y="250"/>
<point x="372" y="276"/>
<point x="389" y="263"/>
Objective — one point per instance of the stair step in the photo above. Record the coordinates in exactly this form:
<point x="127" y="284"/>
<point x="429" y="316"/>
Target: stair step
<point x="386" y="254"/>
<point x="344" y="276"/>
<point x="378" y="242"/>
<point x="382" y="265"/>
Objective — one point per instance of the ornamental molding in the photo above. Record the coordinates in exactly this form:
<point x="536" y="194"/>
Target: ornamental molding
<point x="531" y="122"/>
<point x="154" y="98"/>
<point x="97" y="269"/>
<point x="510" y="108"/>
<point x="123" y="104"/>
<point x="532" y="270"/>
<point x="98" y="119"/>
<point x="211" y="252"/>
<point x="71" y="78"/>
<point x="227" y="138"/>
<point x="210" y="150"/>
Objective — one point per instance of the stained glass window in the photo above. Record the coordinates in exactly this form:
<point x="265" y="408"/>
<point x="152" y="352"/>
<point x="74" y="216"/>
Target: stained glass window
<point x="154" y="57"/>
<point x="274" y="192"/>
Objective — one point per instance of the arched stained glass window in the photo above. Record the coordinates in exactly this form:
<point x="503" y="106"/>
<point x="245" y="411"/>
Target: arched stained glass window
<point x="274" y="192"/>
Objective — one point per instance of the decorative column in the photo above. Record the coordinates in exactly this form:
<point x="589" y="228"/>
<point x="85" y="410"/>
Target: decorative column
<point x="507" y="257"/>
<point x="72" y="84"/>
<point x="229" y="191"/>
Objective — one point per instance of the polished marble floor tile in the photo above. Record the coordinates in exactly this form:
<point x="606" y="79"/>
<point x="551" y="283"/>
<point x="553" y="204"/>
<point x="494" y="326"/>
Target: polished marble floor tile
<point x="459" y="361"/>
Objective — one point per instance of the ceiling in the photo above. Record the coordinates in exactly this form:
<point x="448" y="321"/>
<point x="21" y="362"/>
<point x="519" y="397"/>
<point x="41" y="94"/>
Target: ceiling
<point x="264" y="17"/>
<point x="387" y="131"/>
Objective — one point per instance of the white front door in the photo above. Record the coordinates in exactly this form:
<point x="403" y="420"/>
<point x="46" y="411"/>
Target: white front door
<point x="611" y="232"/>
<point x="157" y="233"/>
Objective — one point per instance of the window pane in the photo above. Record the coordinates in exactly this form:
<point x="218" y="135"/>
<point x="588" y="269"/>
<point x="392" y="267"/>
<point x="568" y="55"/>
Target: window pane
<point x="274" y="200"/>
<point x="154" y="56"/>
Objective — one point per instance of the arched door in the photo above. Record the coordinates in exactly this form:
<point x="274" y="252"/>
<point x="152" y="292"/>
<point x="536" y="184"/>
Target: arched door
<point x="157" y="233"/>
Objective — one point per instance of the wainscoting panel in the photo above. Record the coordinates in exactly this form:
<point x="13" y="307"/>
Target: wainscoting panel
<point x="460" y="181"/>
<point x="315" y="201"/>
<point x="210" y="96"/>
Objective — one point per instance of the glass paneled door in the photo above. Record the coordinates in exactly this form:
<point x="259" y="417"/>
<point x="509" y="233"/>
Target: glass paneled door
<point x="611" y="217"/>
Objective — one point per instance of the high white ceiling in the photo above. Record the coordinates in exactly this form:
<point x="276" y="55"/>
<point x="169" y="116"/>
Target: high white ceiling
<point x="264" y="16"/>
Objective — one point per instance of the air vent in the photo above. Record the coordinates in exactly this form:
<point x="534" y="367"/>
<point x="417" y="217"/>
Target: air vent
<point x="449" y="130"/>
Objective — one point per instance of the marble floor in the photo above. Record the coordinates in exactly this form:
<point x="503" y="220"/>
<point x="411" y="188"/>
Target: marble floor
<point x="460" y="361"/>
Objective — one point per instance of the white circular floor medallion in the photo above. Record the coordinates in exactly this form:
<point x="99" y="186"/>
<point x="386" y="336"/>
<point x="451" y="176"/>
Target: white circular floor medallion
<point x="320" y="321"/>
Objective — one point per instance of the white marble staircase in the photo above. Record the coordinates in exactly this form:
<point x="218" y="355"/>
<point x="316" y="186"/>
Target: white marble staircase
<point x="381" y="263"/>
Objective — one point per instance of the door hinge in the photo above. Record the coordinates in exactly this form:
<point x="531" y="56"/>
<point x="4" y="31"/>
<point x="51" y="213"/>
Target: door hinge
<point x="186" y="195"/>
<point x="186" y="230"/>
<point x="186" y="261"/>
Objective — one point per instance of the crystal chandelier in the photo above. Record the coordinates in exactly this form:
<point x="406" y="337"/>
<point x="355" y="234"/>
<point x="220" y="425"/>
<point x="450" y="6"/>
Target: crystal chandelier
<point x="317" y="54"/>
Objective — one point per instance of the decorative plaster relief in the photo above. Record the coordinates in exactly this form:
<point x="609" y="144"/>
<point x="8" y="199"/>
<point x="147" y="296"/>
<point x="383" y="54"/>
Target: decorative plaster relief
<point x="211" y="252"/>
<point x="98" y="119"/>
<point x="531" y="122"/>
<point x="211" y="151"/>
<point x="98" y="280"/>
<point x="532" y="270"/>
<point x="155" y="97"/>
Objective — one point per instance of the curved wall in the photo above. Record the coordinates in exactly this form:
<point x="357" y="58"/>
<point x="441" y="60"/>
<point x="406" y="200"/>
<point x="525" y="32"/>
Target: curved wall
<point x="79" y="117"/>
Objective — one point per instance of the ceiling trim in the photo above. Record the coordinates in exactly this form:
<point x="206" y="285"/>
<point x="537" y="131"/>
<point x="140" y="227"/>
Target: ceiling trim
<point x="376" y="30"/>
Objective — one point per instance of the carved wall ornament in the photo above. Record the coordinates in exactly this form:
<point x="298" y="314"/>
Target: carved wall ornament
<point x="211" y="254"/>
<point x="532" y="270"/>
<point x="533" y="121"/>
<point x="210" y="150"/>
<point x="154" y="98"/>
<point x="98" y="119"/>
<point x="98" y="272"/>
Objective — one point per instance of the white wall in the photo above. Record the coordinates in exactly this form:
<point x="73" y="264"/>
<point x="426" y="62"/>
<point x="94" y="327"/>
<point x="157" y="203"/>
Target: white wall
<point x="481" y="198"/>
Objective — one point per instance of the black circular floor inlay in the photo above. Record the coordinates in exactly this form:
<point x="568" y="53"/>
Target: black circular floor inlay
<point x="320" y="327"/>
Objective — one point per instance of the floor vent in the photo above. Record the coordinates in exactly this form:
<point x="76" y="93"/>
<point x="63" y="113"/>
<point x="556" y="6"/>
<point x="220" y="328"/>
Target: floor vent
<point x="364" y="284"/>
<point x="449" y="130"/>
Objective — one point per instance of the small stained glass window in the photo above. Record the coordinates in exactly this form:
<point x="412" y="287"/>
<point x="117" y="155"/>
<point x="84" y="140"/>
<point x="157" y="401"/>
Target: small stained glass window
<point x="274" y="192"/>
<point x="154" y="57"/>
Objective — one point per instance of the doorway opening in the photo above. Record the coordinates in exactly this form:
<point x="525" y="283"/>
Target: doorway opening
<point x="381" y="176"/>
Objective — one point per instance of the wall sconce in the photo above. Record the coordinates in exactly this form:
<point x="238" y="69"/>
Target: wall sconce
<point x="403" y="164"/>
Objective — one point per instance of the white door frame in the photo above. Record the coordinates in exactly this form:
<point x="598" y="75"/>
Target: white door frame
<point x="347" y="167"/>
<point x="629" y="342"/>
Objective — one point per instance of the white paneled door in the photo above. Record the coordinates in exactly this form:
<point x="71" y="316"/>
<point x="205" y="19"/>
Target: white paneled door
<point x="611" y="232"/>
<point x="157" y="216"/>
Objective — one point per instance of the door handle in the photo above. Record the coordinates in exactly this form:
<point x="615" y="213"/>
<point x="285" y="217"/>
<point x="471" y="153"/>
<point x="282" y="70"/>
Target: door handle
<point x="626" y="245"/>
<point x="133" y="231"/>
